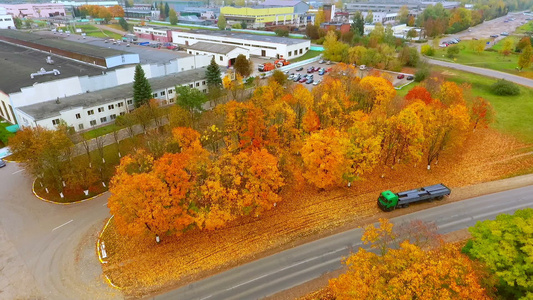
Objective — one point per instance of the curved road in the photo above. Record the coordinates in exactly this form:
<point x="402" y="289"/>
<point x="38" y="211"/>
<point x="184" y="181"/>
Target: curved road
<point x="295" y="266"/>
<point x="47" y="251"/>
<point x="485" y="72"/>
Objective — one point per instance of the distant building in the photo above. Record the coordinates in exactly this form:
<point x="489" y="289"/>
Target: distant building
<point x="34" y="10"/>
<point x="270" y="12"/>
<point x="194" y="20"/>
<point x="259" y="45"/>
<point x="154" y="33"/>
<point x="342" y="27"/>
<point x="391" y="6"/>
<point x="6" y="21"/>
<point x="381" y="17"/>
<point x="225" y="55"/>
<point x="141" y="11"/>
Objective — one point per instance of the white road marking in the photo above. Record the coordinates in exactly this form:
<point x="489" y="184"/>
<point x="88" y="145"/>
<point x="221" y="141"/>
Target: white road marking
<point x="104" y="204"/>
<point x="62" y="225"/>
<point x="17" y="172"/>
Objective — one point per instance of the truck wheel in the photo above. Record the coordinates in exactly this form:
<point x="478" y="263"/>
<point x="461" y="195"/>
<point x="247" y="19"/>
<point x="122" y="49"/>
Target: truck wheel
<point x="440" y="198"/>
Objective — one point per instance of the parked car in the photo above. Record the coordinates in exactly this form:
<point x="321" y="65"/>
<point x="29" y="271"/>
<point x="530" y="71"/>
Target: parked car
<point x="299" y="69"/>
<point x="309" y="81"/>
<point x="310" y="70"/>
<point x="362" y="67"/>
<point x="443" y="45"/>
<point x="401" y="76"/>
<point x="321" y="61"/>
<point x="410" y="77"/>
<point x="321" y="72"/>
<point x="329" y="62"/>
<point x="317" y="82"/>
<point x="494" y="36"/>
<point x="302" y="80"/>
<point x="505" y="33"/>
<point x="297" y="78"/>
<point x="2" y="163"/>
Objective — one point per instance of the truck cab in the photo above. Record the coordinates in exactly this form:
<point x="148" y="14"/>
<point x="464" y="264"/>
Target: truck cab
<point x="387" y="200"/>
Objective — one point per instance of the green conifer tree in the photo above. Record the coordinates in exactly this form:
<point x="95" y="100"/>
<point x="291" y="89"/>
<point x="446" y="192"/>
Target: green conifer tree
<point x="142" y="91"/>
<point x="213" y="74"/>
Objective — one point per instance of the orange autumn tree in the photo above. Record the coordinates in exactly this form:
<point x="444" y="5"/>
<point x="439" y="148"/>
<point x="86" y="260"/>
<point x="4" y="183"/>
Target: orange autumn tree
<point x="244" y="125"/>
<point x="419" y="93"/>
<point x="141" y="200"/>
<point x="408" y="272"/>
<point x="482" y="113"/>
<point x="323" y="155"/>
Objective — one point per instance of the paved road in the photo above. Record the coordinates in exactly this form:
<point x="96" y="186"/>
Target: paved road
<point x="485" y="72"/>
<point x="293" y="267"/>
<point x="47" y="251"/>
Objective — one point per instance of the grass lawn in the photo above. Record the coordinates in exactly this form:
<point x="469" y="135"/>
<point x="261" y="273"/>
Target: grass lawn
<point x="94" y="31"/>
<point x="91" y="134"/>
<point x="528" y="27"/>
<point x="514" y="114"/>
<point x="308" y="55"/>
<point x="118" y="27"/>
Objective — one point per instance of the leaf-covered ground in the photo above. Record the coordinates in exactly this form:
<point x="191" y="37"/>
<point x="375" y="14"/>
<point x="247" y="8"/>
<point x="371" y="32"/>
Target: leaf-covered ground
<point x="142" y="267"/>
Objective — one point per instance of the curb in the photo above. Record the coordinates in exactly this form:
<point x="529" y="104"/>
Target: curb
<point x="99" y="252"/>
<point x="10" y="161"/>
<point x="59" y="203"/>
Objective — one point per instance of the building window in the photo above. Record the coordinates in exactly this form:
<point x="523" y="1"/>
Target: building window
<point x="197" y="84"/>
<point x="111" y="106"/>
<point x="171" y="100"/>
<point x="203" y="82"/>
<point x="221" y="58"/>
<point x="93" y="122"/>
<point x="103" y="119"/>
<point x="130" y="102"/>
<point x="306" y="48"/>
<point x="120" y="104"/>
<point x="301" y="51"/>
<point x="290" y="53"/>
<point x="190" y="52"/>
<point x="100" y="109"/>
<point x="154" y="95"/>
<point x="163" y="93"/>
<point x="170" y="91"/>
<point x="80" y="126"/>
<point x="113" y="116"/>
<point x="78" y="116"/>
<point x="191" y="85"/>
<point x="90" y="112"/>
<point x="55" y="122"/>
<point x="205" y="91"/>
<point x="122" y="113"/>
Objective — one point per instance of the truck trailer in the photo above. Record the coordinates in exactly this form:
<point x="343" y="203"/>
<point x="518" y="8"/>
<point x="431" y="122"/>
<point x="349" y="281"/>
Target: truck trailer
<point x="388" y="200"/>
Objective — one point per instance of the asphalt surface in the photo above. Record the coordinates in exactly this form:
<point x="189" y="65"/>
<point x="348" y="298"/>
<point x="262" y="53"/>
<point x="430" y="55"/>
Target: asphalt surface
<point x="485" y="72"/>
<point x="47" y="251"/>
<point x="295" y="266"/>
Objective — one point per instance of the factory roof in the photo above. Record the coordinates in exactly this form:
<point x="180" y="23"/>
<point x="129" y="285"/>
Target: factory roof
<point x="212" y="47"/>
<point x="249" y="36"/>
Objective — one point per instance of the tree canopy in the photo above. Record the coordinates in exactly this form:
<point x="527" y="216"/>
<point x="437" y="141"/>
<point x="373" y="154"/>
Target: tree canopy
<point x="142" y="91"/>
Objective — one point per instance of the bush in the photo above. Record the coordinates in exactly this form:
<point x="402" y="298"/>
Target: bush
<point x="452" y="51"/>
<point x="427" y="50"/>
<point x="503" y="87"/>
<point x="422" y="73"/>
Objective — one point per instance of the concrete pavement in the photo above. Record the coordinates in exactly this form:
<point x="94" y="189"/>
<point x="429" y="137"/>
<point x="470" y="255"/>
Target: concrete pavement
<point x="47" y="251"/>
<point x="485" y="72"/>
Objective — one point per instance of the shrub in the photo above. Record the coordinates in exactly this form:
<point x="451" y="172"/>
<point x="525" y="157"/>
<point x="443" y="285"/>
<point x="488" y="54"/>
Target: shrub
<point x="422" y="73"/>
<point x="452" y="51"/>
<point x="503" y="87"/>
<point x="427" y="50"/>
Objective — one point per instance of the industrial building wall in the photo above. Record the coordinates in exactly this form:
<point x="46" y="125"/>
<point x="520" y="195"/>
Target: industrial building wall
<point x="123" y="59"/>
<point x="262" y="15"/>
<point x="6" y="21"/>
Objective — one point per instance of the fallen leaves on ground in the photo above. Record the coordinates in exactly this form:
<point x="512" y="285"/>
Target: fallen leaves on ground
<point x="142" y="267"/>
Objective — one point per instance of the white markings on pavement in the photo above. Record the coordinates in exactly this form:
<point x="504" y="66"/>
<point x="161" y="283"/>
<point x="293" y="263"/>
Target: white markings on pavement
<point x="104" y="204"/>
<point x="17" y="171"/>
<point x="288" y="267"/>
<point x="62" y="225"/>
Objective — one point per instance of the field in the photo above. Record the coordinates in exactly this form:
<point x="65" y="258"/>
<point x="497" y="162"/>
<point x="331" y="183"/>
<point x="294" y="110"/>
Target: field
<point x="141" y="267"/>
<point x="308" y="55"/>
<point x="94" y="31"/>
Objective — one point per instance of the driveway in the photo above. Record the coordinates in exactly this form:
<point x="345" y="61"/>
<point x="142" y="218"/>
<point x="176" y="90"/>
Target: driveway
<point x="47" y="251"/>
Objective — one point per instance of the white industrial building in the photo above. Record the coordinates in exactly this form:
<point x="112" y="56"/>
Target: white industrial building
<point x="258" y="45"/>
<point x="225" y="55"/>
<point x="85" y="111"/>
<point x="29" y="79"/>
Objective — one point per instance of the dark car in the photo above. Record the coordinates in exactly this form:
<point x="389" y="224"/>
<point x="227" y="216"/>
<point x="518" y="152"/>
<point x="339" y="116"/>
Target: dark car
<point x="309" y="81"/>
<point x="494" y="36"/>
<point x="2" y="163"/>
<point x="297" y="77"/>
<point x="401" y="76"/>
<point x="410" y="77"/>
<point x="299" y="69"/>
<point x="310" y="70"/>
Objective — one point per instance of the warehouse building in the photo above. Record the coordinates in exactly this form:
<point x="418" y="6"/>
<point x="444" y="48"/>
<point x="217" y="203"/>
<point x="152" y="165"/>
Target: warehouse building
<point x="258" y="45"/>
<point x="225" y="55"/>
<point x="270" y="12"/>
<point x="88" y="110"/>
<point x="104" y="57"/>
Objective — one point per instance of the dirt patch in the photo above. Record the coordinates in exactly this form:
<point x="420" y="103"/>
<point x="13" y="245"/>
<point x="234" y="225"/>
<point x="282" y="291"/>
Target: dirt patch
<point x="144" y="268"/>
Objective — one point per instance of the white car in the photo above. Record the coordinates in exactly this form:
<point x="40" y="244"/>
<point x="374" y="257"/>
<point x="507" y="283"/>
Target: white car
<point x="317" y="82"/>
<point x="362" y="67"/>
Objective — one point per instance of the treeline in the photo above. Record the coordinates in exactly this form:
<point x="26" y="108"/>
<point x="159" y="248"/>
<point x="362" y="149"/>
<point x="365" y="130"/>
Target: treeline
<point x="287" y="137"/>
<point x="97" y="11"/>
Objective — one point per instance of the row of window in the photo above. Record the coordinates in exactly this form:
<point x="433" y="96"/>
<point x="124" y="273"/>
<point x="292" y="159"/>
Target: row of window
<point x="8" y="19"/>
<point x="296" y="51"/>
<point x="101" y="109"/>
